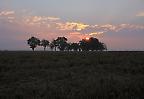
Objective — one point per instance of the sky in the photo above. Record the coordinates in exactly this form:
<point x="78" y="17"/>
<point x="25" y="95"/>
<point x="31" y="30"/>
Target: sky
<point x="117" y="23"/>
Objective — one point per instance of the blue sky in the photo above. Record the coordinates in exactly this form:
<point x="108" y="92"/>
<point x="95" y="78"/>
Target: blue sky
<point x="118" y="23"/>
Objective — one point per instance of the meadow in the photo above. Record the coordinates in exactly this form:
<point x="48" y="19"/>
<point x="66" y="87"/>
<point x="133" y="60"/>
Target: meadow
<point x="71" y="75"/>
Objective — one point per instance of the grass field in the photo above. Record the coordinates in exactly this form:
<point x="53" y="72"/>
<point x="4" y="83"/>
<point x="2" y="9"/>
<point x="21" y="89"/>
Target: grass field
<point x="71" y="75"/>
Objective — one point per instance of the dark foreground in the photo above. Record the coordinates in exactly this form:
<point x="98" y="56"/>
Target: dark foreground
<point x="71" y="75"/>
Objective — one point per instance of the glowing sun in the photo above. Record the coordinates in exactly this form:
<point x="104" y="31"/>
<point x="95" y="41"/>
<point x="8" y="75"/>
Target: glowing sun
<point x="87" y="38"/>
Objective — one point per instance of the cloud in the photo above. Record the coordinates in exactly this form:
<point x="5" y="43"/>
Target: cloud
<point x="75" y="33"/>
<point x="115" y="28"/>
<point x="6" y="13"/>
<point x="53" y="18"/>
<point x="48" y="25"/>
<point x="96" y="33"/>
<point x="72" y="26"/>
<point x="11" y="18"/>
<point x="40" y="20"/>
<point x="22" y="25"/>
<point x="7" y="16"/>
<point x="141" y="14"/>
<point x="130" y="26"/>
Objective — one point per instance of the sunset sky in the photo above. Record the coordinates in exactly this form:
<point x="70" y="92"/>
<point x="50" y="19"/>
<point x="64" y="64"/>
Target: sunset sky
<point x="117" y="23"/>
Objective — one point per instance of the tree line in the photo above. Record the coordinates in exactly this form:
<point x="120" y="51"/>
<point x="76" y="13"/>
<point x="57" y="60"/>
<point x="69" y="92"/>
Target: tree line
<point x="61" y="44"/>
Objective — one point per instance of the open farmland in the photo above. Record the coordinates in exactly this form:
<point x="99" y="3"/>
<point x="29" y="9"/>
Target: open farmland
<point x="71" y="75"/>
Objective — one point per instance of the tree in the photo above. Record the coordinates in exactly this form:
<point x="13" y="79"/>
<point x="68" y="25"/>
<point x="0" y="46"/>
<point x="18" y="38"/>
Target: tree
<point x="105" y="46"/>
<point x="68" y="47"/>
<point x="75" y="46"/>
<point x="94" y="44"/>
<point x="53" y="44"/>
<point x="87" y="44"/>
<point x="44" y="43"/>
<point x="62" y="43"/>
<point x="33" y="42"/>
<point x="91" y="44"/>
<point x="84" y="45"/>
<point x="102" y="46"/>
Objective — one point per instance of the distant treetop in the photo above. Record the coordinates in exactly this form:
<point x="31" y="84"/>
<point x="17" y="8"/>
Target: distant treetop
<point x="87" y="44"/>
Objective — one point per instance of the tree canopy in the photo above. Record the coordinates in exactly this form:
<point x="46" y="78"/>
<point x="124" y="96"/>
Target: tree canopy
<point x="62" y="43"/>
<point x="33" y="42"/>
<point x="92" y="44"/>
<point x="89" y="44"/>
<point x="44" y="43"/>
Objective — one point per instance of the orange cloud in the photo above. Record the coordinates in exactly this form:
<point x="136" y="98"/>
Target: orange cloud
<point x="96" y="33"/>
<point x="72" y="26"/>
<point x="46" y="25"/>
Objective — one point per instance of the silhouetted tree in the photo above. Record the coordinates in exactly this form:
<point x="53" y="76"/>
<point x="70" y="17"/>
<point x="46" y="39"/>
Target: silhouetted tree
<point x="44" y="43"/>
<point x="84" y="46"/>
<point x="94" y="44"/>
<point x="62" y="43"/>
<point x="91" y="44"/>
<point x="88" y="44"/>
<point x="68" y="47"/>
<point x="53" y="44"/>
<point x="33" y="42"/>
<point x="102" y="47"/>
<point x="105" y="46"/>
<point x="75" y="46"/>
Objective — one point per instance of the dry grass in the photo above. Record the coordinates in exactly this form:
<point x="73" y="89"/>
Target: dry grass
<point x="71" y="75"/>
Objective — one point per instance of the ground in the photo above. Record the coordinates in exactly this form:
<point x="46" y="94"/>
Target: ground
<point x="71" y="75"/>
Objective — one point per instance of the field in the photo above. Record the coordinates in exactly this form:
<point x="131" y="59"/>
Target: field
<point x="71" y="75"/>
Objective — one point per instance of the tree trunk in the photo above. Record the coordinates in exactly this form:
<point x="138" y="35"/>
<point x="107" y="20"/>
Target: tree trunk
<point x="55" y="48"/>
<point x="32" y="49"/>
<point x="44" y="48"/>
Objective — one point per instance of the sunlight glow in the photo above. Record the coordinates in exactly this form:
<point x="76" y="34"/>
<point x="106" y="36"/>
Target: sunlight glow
<point x="87" y="38"/>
